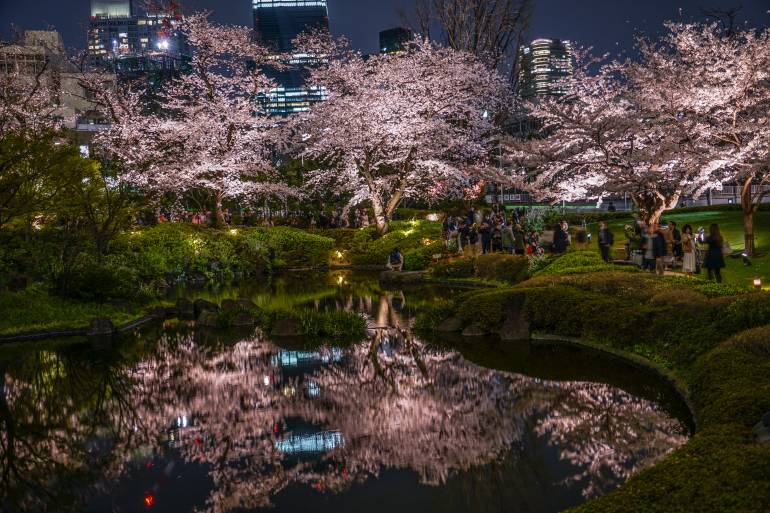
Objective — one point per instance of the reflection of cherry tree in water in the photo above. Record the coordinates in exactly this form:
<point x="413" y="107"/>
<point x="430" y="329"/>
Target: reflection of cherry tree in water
<point x="386" y="403"/>
<point x="607" y="434"/>
<point x="62" y="423"/>
<point x="391" y="404"/>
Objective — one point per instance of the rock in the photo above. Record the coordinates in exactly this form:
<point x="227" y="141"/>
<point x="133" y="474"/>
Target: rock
<point x="402" y="278"/>
<point x="515" y="327"/>
<point x="100" y="326"/>
<point x="208" y="318"/>
<point x="18" y="283"/>
<point x="288" y="328"/>
<point x="242" y="319"/>
<point x="450" y="325"/>
<point x="229" y="305"/>
<point x="247" y="304"/>
<point x="197" y="279"/>
<point x="158" y="312"/>
<point x="762" y="429"/>
<point x="171" y="312"/>
<point x="240" y="304"/>
<point x="185" y="309"/>
<point x="474" y="330"/>
<point x="202" y="305"/>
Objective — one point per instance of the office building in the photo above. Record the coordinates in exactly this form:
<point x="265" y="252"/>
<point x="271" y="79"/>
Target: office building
<point x="276" y="24"/>
<point x="132" y="40"/>
<point x="394" y="40"/>
<point x="42" y="52"/>
<point x="544" y="66"/>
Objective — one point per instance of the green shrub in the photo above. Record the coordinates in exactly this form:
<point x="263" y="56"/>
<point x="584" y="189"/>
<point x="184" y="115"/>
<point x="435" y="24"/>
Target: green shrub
<point x="502" y="267"/>
<point x="582" y="261"/>
<point x="340" y="325"/>
<point x="292" y="247"/>
<point x="429" y="317"/>
<point x="458" y="268"/>
<point x="731" y="384"/>
<point x="717" y="470"/>
<point x="91" y="279"/>
<point x="421" y="239"/>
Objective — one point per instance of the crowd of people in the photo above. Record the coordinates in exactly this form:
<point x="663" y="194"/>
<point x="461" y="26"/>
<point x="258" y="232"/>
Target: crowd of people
<point x="480" y="232"/>
<point x="660" y="247"/>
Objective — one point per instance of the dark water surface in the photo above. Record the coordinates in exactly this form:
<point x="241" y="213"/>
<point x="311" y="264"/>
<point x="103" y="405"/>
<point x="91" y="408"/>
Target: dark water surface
<point x="178" y="419"/>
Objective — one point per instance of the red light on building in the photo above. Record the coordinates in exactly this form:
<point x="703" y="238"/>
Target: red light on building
<point x="149" y="500"/>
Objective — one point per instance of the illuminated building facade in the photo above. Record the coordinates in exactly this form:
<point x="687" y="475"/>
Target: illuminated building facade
<point x="276" y="24"/>
<point x="543" y="67"/>
<point x="132" y="39"/>
<point x="393" y="40"/>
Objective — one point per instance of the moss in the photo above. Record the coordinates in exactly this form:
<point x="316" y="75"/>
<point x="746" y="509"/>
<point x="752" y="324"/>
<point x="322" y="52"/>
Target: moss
<point x="502" y="267"/>
<point x="731" y="384"/>
<point x="717" y="470"/>
<point x="459" y="268"/>
<point x="417" y="240"/>
<point x="684" y="327"/>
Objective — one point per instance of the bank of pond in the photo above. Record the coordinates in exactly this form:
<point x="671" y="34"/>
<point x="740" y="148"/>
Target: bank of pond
<point x="365" y="394"/>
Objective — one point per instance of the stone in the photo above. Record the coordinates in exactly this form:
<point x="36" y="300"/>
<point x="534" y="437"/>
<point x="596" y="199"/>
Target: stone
<point x="208" y="318"/>
<point x="18" y="283"/>
<point x="762" y="429"/>
<point x="248" y="304"/>
<point x="100" y="326"/>
<point x="474" y="330"/>
<point x="158" y="312"/>
<point x="402" y="277"/>
<point x="230" y="305"/>
<point x="288" y="328"/>
<point x="242" y="319"/>
<point x="185" y="309"/>
<point x="202" y="305"/>
<point x="450" y="325"/>
<point x="515" y="327"/>
<point x="197" y="279"/>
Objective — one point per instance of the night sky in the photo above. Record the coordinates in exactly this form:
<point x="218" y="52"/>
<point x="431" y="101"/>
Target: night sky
<point x="607" y="25"/>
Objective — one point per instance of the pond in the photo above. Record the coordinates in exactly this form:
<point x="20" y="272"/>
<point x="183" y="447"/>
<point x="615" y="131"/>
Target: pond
<point x="177" y="419"/>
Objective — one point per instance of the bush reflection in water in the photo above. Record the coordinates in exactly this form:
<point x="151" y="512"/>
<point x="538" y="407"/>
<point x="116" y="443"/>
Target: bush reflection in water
<point x="245" y="412"/>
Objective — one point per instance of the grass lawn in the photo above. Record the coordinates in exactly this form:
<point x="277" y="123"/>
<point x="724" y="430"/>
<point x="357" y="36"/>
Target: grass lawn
<point x="35" y="310"/>
<point x="731" y="224"/>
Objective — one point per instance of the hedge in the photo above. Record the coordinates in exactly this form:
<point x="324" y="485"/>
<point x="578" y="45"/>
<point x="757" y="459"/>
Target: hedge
<point x="721" y="468"/>
<point x="417" y="240"/>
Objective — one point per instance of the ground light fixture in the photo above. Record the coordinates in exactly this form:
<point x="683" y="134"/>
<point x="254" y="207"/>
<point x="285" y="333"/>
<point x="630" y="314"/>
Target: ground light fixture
<point x="758" y="283"/>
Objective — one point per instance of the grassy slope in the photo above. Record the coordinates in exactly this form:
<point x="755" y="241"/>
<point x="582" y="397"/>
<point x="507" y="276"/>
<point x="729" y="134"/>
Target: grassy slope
<point x="731" y="224"/>
<point x="35" y="310"/>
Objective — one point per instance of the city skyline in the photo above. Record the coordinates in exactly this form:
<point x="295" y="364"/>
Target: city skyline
<point x="362" y="20"/>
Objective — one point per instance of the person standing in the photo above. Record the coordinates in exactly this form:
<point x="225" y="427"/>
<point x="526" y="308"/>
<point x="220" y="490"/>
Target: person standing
<point x="715" y="259"/>
<point x="508" y="240"/>
<point x="486" y="237"/>
<point x="519" y="243"/>
<point x="606" y="240"/>
<point x="648" y="248"/>
<point x="688" y="250"/>
<point x="660" y="246"/>
<point x="676" y="235"/>
<point x="560" y="240"/>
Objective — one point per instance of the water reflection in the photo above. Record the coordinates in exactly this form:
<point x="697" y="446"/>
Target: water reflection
<point x="238" y="423"/>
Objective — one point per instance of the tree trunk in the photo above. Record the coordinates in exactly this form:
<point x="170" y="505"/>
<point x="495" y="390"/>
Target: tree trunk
<point x="219" y="216"/>
<point x="749" y="208"/>
<point x="381" y="217"/>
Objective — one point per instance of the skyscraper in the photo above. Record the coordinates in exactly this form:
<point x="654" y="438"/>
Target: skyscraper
<point x="132" y="39"/>
<point x="276" y="24"/>
<point x="393" y="40"/>
<point x="543" y="66"/>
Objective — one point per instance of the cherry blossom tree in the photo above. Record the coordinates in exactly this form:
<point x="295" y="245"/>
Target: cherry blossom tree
<point x="205" y="130"/>
<point x="415" y="124"/>
<point x="726" y="82"/>
<point x="624" y="128"/>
